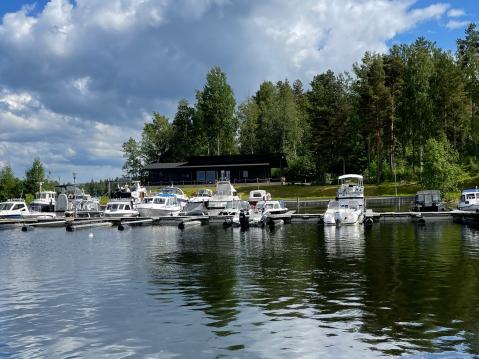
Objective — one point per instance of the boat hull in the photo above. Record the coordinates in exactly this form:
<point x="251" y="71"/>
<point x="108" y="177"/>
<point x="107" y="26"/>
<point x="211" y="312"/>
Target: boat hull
<point x="158" y="212"/>
<point x="337" y="218"/>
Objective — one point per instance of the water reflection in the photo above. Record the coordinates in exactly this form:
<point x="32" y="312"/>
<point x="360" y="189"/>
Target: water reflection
<point x="295" y="291"/>
<point x="344" y="240"/>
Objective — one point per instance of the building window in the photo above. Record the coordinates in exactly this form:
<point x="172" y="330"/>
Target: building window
<point x="200" y="176"/>
<point x="245" y="174"/>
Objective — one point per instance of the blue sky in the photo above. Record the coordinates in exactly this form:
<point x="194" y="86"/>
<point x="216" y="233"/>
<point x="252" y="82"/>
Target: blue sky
<point x="78" y="79"/>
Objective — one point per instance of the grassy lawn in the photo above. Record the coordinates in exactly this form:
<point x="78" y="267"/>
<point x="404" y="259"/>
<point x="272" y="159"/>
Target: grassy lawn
<point x="310" y="192"/>
<point x="305" y="192"/>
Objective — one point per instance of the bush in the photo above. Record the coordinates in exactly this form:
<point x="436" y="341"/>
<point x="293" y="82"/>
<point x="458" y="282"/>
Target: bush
<point x="301" y="169"/>
<point x="440" y="170"/>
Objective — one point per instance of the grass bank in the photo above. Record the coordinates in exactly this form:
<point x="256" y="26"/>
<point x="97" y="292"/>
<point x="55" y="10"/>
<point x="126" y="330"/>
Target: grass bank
<point x="305" y="192"/>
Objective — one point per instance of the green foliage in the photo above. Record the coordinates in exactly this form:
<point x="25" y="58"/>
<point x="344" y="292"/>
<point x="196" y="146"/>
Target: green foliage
<point x="376" y="123"/>
<point x="216" y="106"/>
<point x="10" y="186"/>
<point x="301" y="169"/>
<point x="34" y="176"/>
<point x="132" y="152"/>
<point x="441" y="170"/>
<point x="183" y="141"/>
<point x="156" y="139"/>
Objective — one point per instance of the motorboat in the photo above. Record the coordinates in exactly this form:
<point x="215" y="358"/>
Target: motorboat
<point x="202" y="195"/>
<point x="13" y="208"/>
<point x="182" y="198"/>
<point x="135" y="192"/>
<point x="224" y="195"/>
<point x="121" y="208"/>
<point x="469" y="200"/>
<point x="348" y="208"/>
<point x="343" y="212"/>
<point x="68" y="195"/>
<point x="18" y="209"/>
<point x="44" y="200"/>
<point x="163" y="204"/>
<point x="428" y="201"/>
<point x="258" y="195"/>
<point x="264" y="210"/>
<point x="87" y="207"/>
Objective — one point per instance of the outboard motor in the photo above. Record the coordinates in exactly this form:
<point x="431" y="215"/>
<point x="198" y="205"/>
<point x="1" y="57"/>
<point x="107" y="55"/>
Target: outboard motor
<point x="244" y="220"/>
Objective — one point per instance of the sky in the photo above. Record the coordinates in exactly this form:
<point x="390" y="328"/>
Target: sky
<point x="78" y="78"/>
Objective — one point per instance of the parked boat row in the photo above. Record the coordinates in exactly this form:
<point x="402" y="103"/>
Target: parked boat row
<point x="348" y="208"/>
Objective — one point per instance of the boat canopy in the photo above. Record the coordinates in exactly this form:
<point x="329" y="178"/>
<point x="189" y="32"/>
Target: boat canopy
<point x="344" y="178"/>
<point x="350" y="176"/>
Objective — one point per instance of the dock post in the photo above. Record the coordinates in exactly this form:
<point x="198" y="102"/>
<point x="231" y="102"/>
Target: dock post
<point x="297" y="204"/>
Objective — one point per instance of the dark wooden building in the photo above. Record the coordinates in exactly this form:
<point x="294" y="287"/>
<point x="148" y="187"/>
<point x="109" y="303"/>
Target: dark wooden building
<point x="208" y="169"/>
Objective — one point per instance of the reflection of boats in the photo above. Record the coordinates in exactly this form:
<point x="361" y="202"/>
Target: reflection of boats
<point x="120" y="208"/>
<point x="469" y="200"/>
<point x="348" y="208"/>
<point x="258" y="195"/>
<point x="163" y="204"/>
<point x="428" y="201"/>
<point x="344" y="240"/>
<point x="224" y="195"/>
<point x="17" y="209"/>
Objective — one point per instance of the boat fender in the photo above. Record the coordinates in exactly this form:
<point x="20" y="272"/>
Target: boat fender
<point x="27" y="228"/>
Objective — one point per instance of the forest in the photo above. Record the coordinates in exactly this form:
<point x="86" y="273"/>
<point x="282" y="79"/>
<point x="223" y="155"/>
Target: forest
<point x="410" y="114"/>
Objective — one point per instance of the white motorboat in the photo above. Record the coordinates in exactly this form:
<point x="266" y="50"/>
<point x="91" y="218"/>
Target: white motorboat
<point x="203" y="195"/>
<point x="121" y="208"/>
<point x="44" y="200"/>
<point x="138" y="192"/>
<point x="469" y="200"/>
<point x="134" y="192"/>
<point x="163" y="204"/>
<point x="348" y="208"/>
<point x="258" y="195"/>
<point x="177" y="192"/>
<point x="18" y="209"/>
<point x="265" y="209"/>
<point x="343" y="212"/>
<point x="224" y="195"/>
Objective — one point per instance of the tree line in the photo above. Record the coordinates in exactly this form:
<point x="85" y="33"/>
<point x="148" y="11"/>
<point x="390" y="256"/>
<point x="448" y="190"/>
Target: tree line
<point x="14" y="187"/>
<point x="379" y="120"/>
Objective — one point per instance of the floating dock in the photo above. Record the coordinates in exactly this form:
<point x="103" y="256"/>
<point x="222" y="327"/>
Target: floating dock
<point x="184" y="222"/>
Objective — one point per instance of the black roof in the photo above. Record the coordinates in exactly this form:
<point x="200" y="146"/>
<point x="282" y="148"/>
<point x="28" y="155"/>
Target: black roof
<point x="275" y="160"/>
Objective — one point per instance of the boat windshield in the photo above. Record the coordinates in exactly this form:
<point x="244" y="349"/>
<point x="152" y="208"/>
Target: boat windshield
<point x="204" y="193"/>
<point x="171" y="190"/>
<point x="159" y="200"/>
<point x="113" y="207"/>
<point x="5" y="206"/>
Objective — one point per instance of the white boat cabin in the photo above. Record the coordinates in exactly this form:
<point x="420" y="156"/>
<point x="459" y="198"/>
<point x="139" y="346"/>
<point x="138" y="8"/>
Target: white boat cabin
<point x="469" y="199"/>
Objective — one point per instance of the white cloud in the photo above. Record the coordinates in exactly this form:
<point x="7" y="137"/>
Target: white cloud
<point x="455" y="24"/>
<point x="78" y="78"/>
<point x="455" y="13"/>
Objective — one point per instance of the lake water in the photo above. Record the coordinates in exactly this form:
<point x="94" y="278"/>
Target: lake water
<point x="297" y="291"/>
